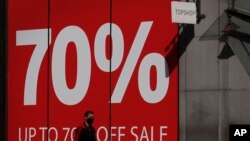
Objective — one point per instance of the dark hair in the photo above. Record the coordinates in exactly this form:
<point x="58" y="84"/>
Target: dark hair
<point x="88" y="112"/>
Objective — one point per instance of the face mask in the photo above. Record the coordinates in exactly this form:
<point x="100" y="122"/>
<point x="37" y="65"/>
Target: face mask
<point x="90" y="121"/>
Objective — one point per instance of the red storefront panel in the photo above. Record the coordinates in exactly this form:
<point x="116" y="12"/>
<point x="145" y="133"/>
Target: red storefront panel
<point x="27" y="69"/>
<point x="145" y="86"/>
<point x="59" y="66"/>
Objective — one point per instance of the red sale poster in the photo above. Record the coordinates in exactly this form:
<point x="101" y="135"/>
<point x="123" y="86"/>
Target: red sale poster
<point x="78" y="83"/>
<point x="116" y="58"/>
<point x="145" y="85"/>
<point x="28" y="62"/>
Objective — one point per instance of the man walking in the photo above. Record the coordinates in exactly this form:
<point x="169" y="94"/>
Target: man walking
<point x="86" y="132"/>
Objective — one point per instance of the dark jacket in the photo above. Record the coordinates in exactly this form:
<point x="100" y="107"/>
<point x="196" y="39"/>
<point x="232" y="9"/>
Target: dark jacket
<point x="84" y="133"/>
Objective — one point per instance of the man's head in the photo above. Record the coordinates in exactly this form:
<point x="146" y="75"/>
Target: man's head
<point x="89" y="117"/>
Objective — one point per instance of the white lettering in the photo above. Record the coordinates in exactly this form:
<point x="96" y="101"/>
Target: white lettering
<point x="162" y="133"/>
<point x="74" y="34"/>
<point x="237" y="132"/>
<point x="144" y="134"/>
<point x="32" y="133"/>
<point x="55" y="133"/>
<point x="105" y="133"/>
<point x="20" y="133"/>
<point x="133" y="133"/>
<point x="39" y="38"/>
<point x="43" y="129"/>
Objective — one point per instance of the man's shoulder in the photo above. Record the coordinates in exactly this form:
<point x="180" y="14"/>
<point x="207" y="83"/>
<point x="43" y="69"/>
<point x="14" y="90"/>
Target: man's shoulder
<point x="81" y="127"/>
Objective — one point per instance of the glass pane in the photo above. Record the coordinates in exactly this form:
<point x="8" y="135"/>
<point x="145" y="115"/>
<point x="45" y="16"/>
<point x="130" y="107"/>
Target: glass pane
<point x="145" y="85"/>
<point x="27" y="69"/>
<point x="77" y="82"/>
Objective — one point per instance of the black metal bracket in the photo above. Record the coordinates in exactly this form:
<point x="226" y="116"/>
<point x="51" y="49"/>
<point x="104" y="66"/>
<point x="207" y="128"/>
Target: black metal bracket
<point x="238" y="14"/>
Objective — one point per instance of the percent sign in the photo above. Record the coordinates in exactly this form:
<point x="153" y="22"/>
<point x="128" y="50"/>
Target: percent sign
<point x="72" y="96"/>
<point x="152" y="59"/>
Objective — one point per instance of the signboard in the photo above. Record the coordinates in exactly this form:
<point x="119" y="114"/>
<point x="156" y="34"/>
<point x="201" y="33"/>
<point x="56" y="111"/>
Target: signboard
<point x="184" y="12"/>
<point x="27" y="70"/>
<point x="118" y="59"/>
